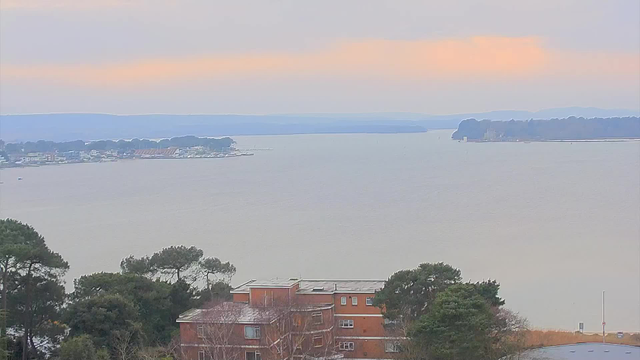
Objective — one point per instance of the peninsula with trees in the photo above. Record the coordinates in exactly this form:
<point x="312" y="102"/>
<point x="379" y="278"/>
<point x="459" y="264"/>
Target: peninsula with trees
<point x="571" y="128"/>
<point x="43" y="152"/>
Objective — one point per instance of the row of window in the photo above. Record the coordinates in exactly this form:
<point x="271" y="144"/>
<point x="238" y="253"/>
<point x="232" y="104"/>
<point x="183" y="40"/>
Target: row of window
<point x="389" y="346"/>
<point x="250" y="332"/>
<point x="354" y="301"/>
<point x="253" y="332"/>
<point x="318" y="341"/>
<point x="249" y="355"/>
<point x="346" y="324"/>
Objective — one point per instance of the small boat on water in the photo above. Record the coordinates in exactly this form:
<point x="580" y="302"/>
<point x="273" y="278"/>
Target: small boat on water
<point x="19" y="178"/>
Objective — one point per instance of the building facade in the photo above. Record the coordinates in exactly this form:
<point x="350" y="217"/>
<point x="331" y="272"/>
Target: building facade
<point x="291" y="319"/>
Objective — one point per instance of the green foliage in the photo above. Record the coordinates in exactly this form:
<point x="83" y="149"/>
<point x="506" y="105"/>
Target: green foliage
<point x="458" y="326"/>
<point x="218" y="291"/>
<point x="409" y="293"/>
<point x="571" y="128"/>
<point x="447" y="319"/>
<point x="101" y="316"/>
<point x="176" y="261"/>
<point x="489" y="291"/>
<point x="121" y="145"/>
<point x="45" y="313"/>
<point x="78" y="348"/>
<point x="103" y="354"/>
<point x="31" y="276"/>
<point x="152" y="299"/>
<point x="213" y="267"/>
<point x="135" y="266"/>
<point x="117" y="313"/>
<point x="182" y="295"/>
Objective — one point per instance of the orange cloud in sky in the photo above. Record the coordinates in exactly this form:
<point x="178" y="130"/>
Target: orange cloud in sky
<point x="59" y="4"/>
<point x="448" y="59"/>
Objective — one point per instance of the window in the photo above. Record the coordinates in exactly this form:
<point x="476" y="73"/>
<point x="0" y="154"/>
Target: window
<point x="200" y="331"/>
<point x="252" y="332"/>
<point x="346" y="324"/>
<point x="354" y="301"/>
<point x="346" y="346"/>
<point x="201" y="355"/>
<point x="343" y="300"/>
<point x="252" y="355"/>
<point x="318" y="341"/>
<point x="392" y="347"/>
<point x="317" y="318"/>
<point x="391" y="322"/>
<point x="369" y="301"/>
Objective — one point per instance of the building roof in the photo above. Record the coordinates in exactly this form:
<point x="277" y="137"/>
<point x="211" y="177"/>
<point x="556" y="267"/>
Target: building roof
<point x="315" y="286"/>
<point x="340" y="286"/>
<point x="273" y="283"/>
<point x="156" y="152"/>
<point x="595" y="351"/>
<point x="230" y="313"/>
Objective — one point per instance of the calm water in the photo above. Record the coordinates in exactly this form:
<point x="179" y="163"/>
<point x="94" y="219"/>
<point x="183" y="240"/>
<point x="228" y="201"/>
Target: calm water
<point x="555" y="223"/>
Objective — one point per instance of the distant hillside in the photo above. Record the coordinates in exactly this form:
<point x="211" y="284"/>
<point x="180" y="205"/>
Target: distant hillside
<point x="67" y="127"/>
<point x="571" y="128"/>
<point x="121" y="145"/>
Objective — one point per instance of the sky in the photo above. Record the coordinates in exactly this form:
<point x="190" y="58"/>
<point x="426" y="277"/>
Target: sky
<point x="277" y="56"/>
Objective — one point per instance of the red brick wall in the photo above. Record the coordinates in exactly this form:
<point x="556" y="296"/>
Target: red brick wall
<point x="367" y="349"/>
<point x="241" y="298"/>
<point x="361" y="308"/>
<point x="363" y="326"/>
<point x="272" y="296"/>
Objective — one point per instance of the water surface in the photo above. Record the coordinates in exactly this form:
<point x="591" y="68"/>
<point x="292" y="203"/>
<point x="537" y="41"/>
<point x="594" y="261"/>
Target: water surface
<point x="555" y="223"/>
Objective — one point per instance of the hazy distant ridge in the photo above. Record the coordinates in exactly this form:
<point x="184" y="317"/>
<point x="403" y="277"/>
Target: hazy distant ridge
<point x="68" y="127"/>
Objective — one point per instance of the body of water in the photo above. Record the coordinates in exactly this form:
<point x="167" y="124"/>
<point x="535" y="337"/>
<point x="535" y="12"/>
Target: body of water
<point x="554" y="223"/>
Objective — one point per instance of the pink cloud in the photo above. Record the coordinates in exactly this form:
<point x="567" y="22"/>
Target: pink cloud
<point x="446" y="59"/>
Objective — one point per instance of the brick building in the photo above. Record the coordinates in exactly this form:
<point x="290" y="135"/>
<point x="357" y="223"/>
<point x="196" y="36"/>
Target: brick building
<point x="291" y="319"/>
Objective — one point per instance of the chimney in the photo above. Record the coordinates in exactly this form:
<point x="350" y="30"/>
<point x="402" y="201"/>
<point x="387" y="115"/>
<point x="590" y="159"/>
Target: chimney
<point x="335" y="287"/>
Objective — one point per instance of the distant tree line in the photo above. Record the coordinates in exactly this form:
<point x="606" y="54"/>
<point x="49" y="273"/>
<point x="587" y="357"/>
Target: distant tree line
<point x="120" y="145"/>
<point x="129" y="314"/>
<point x="571" y="128"/>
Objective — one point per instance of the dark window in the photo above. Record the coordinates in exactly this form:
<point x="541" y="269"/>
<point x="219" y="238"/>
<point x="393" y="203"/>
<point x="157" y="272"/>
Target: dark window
<point x="317" y="318"/>
<point x="252" y="332"/>
<point x="318" y="341"/>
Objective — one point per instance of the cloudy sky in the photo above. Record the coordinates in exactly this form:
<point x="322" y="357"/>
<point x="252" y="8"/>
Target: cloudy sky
<point x="276" y="56"/>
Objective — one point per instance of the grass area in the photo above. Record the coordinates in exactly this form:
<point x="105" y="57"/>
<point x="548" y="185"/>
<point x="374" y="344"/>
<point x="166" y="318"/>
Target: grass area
<point x="539" y="338"/>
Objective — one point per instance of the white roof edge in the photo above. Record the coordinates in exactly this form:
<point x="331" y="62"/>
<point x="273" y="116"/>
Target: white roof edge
<point x="235" y="291"/>
<point x="332" y="292"/>
<point x="328" y="280"/>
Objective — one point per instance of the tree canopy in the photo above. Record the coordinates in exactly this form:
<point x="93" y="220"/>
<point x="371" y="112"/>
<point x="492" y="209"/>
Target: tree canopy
<point x="120" y="145"/>
<point x="31" y="282"/>
<point x="571" y="128"/>
<point x="120" y="315"/>
<point x="445" y="319"/>
<point x="78" y="348"/>
<point x="175" y="261"/>
<point x="409" y="293"/>
<point x="458" y="326"/>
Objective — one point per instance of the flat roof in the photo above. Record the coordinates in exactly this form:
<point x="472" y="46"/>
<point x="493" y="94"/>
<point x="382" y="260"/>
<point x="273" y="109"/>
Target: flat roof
<point x="586" y="351"/>
<point x="315" y="286"/>
<point x="230" y="313"/>
<point x="273" y="283"/>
